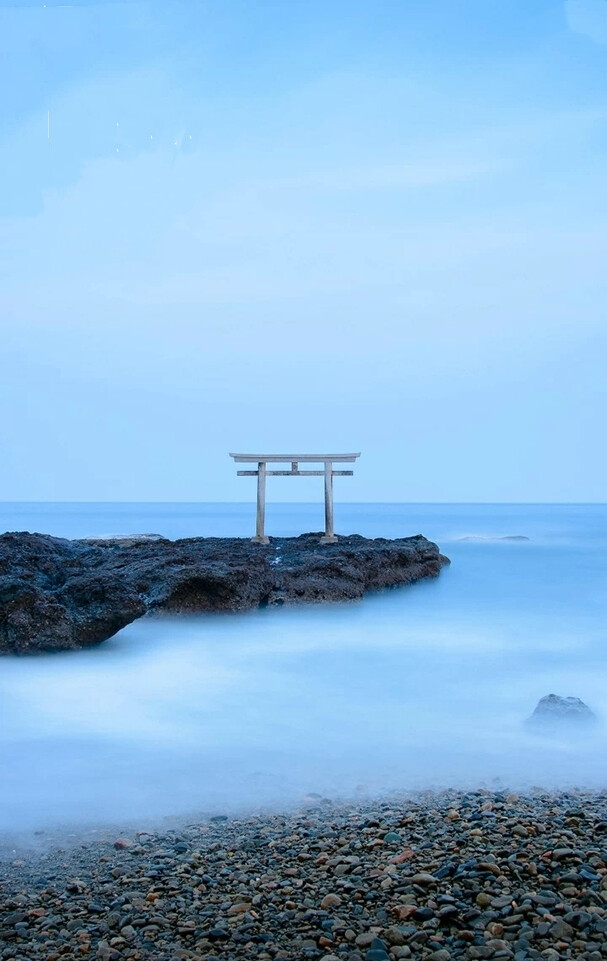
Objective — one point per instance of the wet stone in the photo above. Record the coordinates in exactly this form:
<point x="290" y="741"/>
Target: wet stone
<point x="324" y="882"/>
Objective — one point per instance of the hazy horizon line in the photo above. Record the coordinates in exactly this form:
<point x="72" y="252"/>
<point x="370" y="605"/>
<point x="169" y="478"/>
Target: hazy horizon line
<point x="316" y="503"/>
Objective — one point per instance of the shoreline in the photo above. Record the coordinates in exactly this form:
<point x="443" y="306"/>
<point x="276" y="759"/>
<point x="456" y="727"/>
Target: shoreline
<point x="474" y="874"/>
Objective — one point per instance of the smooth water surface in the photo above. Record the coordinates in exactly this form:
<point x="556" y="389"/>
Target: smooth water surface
<point x="424" y="686"/>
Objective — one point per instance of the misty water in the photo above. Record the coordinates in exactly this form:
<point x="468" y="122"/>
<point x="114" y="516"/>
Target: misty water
<point x="426" y="686"/>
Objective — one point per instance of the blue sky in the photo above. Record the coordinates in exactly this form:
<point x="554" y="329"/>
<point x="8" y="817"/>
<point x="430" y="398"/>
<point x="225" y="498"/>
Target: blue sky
<point x="277" y="225"/>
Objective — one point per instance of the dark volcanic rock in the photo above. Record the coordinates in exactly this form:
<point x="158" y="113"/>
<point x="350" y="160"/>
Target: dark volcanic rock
<point x="58" y="594"/>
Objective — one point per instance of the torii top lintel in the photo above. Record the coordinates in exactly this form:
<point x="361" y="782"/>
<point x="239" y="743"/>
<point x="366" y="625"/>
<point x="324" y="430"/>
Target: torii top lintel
<point x="294" y="460"/>
<point x="284" y="458"/>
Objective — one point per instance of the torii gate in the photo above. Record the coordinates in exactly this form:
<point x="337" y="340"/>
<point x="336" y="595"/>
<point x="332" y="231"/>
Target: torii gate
<point x="262" y="472"/>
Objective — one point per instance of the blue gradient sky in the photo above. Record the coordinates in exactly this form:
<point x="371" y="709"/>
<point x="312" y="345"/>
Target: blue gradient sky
<point x="347" y="225"/>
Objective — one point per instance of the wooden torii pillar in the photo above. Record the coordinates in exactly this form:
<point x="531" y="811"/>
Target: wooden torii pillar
<point x="262" y="472"/>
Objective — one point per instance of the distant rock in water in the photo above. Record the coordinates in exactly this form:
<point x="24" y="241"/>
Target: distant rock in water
<point x="556" y="710"/>
<point x="486" y="537"/>
<point x="58" y="595"/>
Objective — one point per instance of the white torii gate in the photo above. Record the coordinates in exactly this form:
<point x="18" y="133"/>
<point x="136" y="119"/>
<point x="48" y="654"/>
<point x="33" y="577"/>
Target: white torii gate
<point x="262" y="472"/>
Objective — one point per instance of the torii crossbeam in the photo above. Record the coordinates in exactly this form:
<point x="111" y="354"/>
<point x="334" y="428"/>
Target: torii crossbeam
<point x="262" y="460"/>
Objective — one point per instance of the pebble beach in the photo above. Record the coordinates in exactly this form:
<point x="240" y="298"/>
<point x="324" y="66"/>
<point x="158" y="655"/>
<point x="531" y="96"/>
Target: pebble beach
<point x="433" y="876"/>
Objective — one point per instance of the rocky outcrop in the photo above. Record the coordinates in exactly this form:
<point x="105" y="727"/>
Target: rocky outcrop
<point x="58" y="594"/>
<point x="554" y="709"/>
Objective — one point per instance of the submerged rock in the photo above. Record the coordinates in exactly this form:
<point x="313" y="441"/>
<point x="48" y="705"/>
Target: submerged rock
<point x="554" y="709"/>
<point x="57" y="594"/>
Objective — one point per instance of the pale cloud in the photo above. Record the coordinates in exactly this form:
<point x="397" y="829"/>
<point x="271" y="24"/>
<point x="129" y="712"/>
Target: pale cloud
<point x="435" y="246"/>
<point x="432" y="172"/>
<point x="163" y="225"/>
<point x="57" y="5"/>
<point x="154" y="230"/>
<point x="588" y="17"/>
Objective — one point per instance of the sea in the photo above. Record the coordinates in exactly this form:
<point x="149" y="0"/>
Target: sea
<point x="424" y="687"/>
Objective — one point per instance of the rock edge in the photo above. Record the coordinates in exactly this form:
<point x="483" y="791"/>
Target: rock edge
<point x="58" y="594"/>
